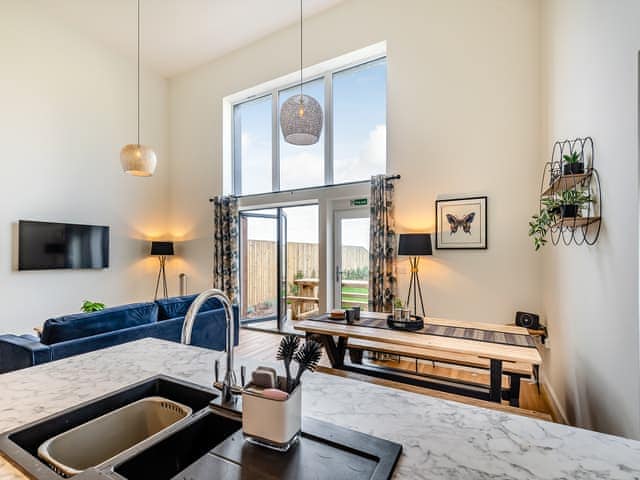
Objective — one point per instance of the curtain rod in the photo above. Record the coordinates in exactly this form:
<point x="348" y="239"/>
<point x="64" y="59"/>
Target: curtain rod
<point x="293" y="190"/>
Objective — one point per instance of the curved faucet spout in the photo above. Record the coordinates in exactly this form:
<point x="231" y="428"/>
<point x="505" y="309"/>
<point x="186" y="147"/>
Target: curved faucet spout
<point x="187" y="329"/>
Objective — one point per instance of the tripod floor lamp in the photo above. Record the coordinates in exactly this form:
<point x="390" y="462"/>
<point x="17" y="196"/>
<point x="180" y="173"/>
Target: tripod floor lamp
<point x="415" y="245"/>
<point x="162" y="250"/>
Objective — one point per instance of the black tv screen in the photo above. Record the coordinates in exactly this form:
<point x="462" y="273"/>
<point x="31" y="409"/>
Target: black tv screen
<point x="46" y="246"/>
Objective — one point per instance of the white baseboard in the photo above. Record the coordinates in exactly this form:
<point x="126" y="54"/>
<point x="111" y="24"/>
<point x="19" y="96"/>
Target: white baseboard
<point x="555" y="406"/>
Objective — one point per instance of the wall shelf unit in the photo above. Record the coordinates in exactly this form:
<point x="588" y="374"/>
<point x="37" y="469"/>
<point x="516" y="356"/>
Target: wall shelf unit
<point x="580" y="178"/>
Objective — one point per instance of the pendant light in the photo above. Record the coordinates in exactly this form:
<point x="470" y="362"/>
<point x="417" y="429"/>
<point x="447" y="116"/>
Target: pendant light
<point x="301" y="115"/>
<point x="138" y="160"/>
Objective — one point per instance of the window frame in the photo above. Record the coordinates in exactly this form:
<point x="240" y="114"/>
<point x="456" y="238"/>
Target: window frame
<point x="275" y="91"/>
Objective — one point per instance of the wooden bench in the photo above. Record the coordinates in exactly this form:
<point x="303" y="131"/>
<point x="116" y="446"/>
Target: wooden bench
<point x="297" y="304"/>
<point x="515" y="371"/>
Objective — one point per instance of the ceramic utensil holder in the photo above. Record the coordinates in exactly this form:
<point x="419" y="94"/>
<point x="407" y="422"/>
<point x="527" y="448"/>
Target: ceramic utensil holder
<point x="272" y="423"/>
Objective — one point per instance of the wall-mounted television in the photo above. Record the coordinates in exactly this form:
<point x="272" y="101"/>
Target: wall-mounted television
<point x="47" y="246"/>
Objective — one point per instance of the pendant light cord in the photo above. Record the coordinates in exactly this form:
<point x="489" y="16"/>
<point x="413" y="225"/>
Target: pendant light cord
<point x="300" y="51"/>
<point x="138" y="72"/>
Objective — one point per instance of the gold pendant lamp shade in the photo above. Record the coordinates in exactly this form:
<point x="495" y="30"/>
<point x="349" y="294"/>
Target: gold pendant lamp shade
<point x="136" y="159"/>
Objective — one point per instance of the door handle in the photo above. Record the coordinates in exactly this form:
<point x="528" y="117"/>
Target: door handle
<point x="338" y="273"/>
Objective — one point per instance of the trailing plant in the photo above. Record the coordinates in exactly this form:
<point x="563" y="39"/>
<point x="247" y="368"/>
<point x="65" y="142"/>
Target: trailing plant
<point x="88" y="306"/>
<point x="539" y="225"/>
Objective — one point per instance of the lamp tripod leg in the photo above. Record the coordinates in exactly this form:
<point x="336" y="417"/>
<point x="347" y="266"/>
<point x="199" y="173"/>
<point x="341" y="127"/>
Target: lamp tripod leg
<point x="155" y="296"/>
<point x="164" y="278"/>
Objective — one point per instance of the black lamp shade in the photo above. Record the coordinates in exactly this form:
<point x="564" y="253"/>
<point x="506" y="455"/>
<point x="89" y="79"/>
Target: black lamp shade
<point x="161" y="248"/>
<point x="415" y="244"/>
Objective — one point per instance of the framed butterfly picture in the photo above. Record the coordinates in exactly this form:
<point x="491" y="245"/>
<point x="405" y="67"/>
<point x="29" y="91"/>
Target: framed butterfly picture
<point x="461" y="223"/>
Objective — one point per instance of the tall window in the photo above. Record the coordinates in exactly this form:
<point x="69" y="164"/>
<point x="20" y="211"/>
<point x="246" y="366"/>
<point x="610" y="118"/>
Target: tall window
<point x="352" y="146"/>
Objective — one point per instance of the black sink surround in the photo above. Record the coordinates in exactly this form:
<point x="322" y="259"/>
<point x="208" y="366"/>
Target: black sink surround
<point x="208" y="444"/>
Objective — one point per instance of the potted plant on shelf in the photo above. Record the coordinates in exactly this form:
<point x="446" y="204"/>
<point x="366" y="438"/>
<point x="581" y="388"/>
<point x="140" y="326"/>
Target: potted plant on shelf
<point x="573" y="164"/>
<point x="567" y="204"/>
<point x="571" y="202"/>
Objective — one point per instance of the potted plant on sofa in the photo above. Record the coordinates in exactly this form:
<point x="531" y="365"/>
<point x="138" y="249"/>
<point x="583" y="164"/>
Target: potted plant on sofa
<point x="573" y="164"/>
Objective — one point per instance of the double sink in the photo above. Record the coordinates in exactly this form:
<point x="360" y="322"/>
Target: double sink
<point x="153" y="429"/>
<point x="164" y="428"/>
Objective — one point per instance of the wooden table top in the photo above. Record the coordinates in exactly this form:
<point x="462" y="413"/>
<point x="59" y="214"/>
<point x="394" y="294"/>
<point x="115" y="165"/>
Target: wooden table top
<point x="509" y="353"/>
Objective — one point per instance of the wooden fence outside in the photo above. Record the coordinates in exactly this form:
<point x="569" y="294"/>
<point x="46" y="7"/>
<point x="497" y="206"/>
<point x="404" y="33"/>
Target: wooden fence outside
<point x="259" y="267"/>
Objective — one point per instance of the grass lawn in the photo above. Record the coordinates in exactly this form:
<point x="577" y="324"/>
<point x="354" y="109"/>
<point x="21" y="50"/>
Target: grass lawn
<point x="361" y="294"/>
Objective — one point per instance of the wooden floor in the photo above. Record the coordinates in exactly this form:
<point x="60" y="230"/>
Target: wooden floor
<point x="263" y="346"/>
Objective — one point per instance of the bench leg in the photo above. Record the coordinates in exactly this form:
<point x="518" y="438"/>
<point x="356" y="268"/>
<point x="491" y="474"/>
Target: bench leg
<point x="355" y="356"/>
<point x="495" y="390"/>
<point x="514" y="390"/>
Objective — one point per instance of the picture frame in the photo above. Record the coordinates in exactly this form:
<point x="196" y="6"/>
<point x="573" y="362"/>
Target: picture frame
<point x="461" y="223"/>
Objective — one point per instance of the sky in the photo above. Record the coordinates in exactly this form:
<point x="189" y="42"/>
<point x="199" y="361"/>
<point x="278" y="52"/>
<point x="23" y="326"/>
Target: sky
<point x="359" y="132"/>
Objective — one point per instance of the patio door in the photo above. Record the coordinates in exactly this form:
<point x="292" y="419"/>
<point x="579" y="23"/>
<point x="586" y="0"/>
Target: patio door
<point x="263" y="269"/>
<point x="351" y="258"/>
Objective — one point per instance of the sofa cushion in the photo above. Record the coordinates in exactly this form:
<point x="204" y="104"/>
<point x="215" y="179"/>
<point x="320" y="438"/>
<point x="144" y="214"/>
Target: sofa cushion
<point x="82" y="325"/>
<point x="177" y="306"/>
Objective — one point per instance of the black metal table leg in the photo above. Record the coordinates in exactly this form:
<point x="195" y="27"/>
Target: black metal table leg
<point x="335" y="351"/>
<point x="495" y="390"/>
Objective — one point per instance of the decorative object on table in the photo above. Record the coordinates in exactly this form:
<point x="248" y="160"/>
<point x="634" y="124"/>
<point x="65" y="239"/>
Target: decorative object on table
<point x="356" y="313"/>
<point x="350" y="316"/>
<point x="89" y="306"/>
<point x="226" y="245"/>
<point x="528" y="320"/>
<point x="570" y="197"/>
<point x="382" y="245"/>
<point x="301" y="115"/>
<point x="410" y="323"/>
<point x="272" y="417"/>
<point x="136" y="159"/>
<point x="461" y="223"/>
<point x="415" y="245"/>
<point x="162" y="250"/>
<point x="337" y="314"/>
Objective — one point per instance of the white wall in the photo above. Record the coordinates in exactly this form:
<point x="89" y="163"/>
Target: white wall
<point x="463" y="117"/>
<point x="67" y="106"/>
<point x="591" y="293"/>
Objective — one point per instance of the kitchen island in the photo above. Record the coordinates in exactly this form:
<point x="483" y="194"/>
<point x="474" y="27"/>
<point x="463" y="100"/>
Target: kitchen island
<point x="441" y="439"/>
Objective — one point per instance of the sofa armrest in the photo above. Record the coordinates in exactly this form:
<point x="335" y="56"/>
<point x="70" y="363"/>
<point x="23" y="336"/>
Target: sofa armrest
<point x="18" y="352"/>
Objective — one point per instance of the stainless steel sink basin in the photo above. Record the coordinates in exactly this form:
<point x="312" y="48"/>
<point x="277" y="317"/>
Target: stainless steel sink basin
<point x="95" y="442"/>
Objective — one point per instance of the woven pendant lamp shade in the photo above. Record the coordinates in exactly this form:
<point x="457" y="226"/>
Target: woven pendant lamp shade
<point x="138" y="160"/>
<point x="301" y="120"/>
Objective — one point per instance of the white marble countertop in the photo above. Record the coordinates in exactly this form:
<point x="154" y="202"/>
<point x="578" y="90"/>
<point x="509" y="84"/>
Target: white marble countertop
<point x="441" y="439"/>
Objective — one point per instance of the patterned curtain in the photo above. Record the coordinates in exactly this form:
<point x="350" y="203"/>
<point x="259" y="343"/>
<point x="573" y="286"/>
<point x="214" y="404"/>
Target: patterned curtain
<point x="225" y="245"/>
<point x="382" y="249"/>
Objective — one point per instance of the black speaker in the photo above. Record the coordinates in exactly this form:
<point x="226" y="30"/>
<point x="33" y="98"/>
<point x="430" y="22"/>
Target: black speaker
<point x="528" y="320"/>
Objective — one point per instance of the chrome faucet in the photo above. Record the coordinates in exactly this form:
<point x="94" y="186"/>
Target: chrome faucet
<point x="228" y="385"/>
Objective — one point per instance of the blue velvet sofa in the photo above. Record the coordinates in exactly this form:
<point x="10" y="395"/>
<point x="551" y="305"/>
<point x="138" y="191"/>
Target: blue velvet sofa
<point x="84" y="332"/>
